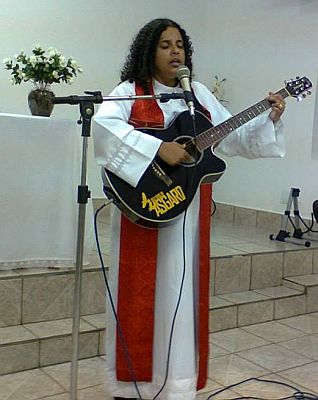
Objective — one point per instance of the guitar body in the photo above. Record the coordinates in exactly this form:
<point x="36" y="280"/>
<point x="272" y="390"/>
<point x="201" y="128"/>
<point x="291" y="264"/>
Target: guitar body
<point x="163" y="191"/>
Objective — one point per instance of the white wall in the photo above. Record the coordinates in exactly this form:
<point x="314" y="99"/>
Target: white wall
<point x="97" y="33"/>
<point x="256" y="45"/>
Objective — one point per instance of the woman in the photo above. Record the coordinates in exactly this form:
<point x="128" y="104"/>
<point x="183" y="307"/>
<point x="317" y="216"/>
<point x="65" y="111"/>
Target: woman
<point x="159" y="278"/>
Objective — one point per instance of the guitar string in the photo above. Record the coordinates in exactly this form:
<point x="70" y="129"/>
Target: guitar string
<point x="228" y="126"/>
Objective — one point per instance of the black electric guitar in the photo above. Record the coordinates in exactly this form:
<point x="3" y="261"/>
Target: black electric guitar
<point x="163" y="191"/>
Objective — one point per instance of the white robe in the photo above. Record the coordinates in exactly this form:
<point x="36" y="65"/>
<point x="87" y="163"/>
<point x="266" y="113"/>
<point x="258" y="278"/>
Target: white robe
<point x="128" y="152"/>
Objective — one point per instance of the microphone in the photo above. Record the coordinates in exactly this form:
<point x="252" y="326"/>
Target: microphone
<point x="183" y="74"/>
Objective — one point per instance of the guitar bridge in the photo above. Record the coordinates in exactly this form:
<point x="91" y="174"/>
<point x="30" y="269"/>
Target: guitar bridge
<point x="160" y="173"/>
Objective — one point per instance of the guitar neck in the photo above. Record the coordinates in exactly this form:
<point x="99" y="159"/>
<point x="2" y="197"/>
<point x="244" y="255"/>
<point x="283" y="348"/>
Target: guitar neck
<point x="217" y="133"/>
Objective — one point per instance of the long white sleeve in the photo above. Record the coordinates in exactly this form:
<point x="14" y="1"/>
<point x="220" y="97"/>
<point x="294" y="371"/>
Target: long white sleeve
<point x="119" y="147"/>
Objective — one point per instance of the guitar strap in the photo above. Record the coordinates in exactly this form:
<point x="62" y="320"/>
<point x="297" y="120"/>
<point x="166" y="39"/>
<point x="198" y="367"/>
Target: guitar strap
<point x="137" y="275"/>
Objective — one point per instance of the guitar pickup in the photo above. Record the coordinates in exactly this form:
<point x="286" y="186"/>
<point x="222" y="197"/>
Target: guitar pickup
<point x="160" y="174"/>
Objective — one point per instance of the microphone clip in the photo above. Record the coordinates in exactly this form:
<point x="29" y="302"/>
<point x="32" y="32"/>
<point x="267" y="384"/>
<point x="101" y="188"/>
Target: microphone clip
<point x="189" y="99"/>
<point x="165" y="97"/>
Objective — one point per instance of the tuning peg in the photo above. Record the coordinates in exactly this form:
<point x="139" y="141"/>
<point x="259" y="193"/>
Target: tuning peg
<point x="304" y="95"/>
<point x="308" y="92"/>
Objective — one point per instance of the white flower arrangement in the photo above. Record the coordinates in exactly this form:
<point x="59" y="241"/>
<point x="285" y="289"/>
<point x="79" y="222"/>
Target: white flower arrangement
<point x="42" y="67"/>
<point x="218" y="89"/>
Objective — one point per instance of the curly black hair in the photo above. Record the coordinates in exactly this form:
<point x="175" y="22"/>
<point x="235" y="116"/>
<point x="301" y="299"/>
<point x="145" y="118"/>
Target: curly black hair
<point x="139" y="64"/>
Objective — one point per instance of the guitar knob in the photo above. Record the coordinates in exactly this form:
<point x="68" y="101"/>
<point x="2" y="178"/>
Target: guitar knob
<point x="308" y="92"/>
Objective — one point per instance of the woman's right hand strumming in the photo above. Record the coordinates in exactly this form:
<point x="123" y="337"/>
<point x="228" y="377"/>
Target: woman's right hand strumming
<point x="173" y="153"/>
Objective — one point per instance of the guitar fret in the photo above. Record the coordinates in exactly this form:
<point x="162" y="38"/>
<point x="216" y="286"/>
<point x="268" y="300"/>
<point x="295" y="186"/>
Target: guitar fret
<point x="261" y="107"/>
<point x="218" y="134"/>
<point x="223" y="127"/>
<point x="200" y="141"/>
<point x="228" y="126"/>
<point x="205" y="141"/>
<point x="236" y="122"/>
<point x="242" y="119"/>
<point x="215" y="134"/>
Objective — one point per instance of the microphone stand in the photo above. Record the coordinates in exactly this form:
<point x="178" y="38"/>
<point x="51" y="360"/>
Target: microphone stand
<point x="86" y="104"/>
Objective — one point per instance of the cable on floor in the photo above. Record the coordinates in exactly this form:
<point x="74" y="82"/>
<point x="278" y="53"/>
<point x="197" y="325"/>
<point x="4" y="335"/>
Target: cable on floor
<point x="297" y="395"/>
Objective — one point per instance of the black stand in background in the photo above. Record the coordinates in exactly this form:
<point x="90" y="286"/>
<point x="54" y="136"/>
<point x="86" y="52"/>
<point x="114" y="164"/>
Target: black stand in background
<point x="298" y="236"/>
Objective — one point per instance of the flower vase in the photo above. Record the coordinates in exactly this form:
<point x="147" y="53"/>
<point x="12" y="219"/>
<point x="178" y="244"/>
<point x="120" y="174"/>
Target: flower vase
<point x="40" y="100"/>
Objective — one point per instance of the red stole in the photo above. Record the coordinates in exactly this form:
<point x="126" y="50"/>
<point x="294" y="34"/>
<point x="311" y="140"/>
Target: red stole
<point x="137" y="277"/>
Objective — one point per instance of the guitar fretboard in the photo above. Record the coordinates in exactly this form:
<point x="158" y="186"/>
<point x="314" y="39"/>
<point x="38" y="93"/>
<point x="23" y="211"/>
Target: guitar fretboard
<point x="217" y="133"/>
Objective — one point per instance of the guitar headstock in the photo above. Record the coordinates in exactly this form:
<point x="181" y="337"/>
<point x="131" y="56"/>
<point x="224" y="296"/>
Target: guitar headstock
<point x="299" y="87"/>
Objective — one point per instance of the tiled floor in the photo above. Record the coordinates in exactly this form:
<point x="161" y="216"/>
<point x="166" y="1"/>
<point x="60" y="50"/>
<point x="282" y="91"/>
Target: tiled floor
<point x="285" y="351"/>
<point x="233" y="239"/>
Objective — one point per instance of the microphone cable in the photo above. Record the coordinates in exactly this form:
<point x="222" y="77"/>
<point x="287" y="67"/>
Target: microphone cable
<point x="187" y="186"/>
<point x="297" y="395"/>
<point x="176" y="309"/>
<point x="118" y="326"/>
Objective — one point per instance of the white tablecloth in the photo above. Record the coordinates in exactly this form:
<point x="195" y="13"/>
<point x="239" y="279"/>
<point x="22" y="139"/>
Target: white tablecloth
<point x="40" y="167"/>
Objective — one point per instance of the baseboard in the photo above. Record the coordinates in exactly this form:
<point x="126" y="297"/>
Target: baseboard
<point x="251" y="217"/>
